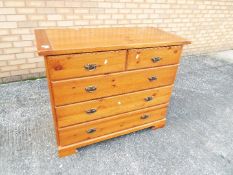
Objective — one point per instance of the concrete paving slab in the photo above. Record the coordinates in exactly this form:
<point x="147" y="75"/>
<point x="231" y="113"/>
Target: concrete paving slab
<point x="224" y="55"/>
<point x="196" y="140"/>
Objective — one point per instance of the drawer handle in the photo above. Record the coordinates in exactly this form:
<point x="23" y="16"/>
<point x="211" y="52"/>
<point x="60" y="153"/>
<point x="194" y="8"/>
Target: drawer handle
<point x="148" y="98"/>
<point x="91" y="111"/>
<point x="145" y="116"/>
<point x="90" y="88"/>
<point x="89" y="131"/>
<point x="153" y="78"/>
<point x="90" y="67"/>
<point x="155" y="59"/>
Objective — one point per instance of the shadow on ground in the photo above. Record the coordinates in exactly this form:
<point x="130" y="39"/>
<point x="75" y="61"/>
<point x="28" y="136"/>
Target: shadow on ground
<point x="198" y="137"/>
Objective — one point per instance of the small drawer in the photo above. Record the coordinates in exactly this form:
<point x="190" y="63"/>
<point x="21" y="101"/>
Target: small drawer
<point x="152" y="57"/>
<point x="86" y="64"/>
<point x="82" y="89"/>
<point x="93" y="129"/>
<point x="96" y="109"/>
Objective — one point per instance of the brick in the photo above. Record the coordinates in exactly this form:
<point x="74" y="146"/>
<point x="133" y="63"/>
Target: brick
<point x="36" y="3"/>
<point x="85" y="10"/>
<point x="46" y="10"/>
<point x="10" y="38"/>
<point x="26" y="10"/>
<point x="4" y="32"/>
<point x="27" y="24"/>
<point x="47" y="24"/>
<point x="24" y="55"/>
<point x="41" y="69"/>
<point x="8" y="25"/>
<point x="28" y="37"/>
<point x="12" y="50"/>
<point x="16" y="17"/>
<point x="4" y="74"/>
<point x="55" y="3"/>
<point x="7" y="11"/>
<point x="81" y="22"/>
<point x="73" y="4"/>
<point x="14" y="3"/>
<point x="27" y="66"/>
<point x="7" y="57"/>
<point x="5" y="45"/>
<point x="20" y="31"/>
<point x="2" y="17"/>
<point x="29" y="49"/>
<point x="8" y="68"/>
<point x="22" y="43"/>
<point x="3" y="63"/>
<point x="105" y="4"/>
<point x="37" y="17"/>
<point x="65" y="23"/>
<point x="20" y="72"/>
<point x="64" y="10"/>
<point x="35" y="60"/>
<point x="73" y="17"/>
<point x="16" y="62"/>
<point x="54" y="17"/>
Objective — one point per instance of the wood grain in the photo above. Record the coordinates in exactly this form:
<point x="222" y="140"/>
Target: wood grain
<point x="77" y="113"/>
<point x="142" y="58"/>
<point x="71" y="91"/>
<point x="71" y="66"/>
<point x="67" y="41"/>
<point x="108" y="125"/>
<point x="71" y="149"/>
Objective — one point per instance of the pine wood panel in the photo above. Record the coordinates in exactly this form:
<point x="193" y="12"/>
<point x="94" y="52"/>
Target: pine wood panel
<point x="71" y="91"/>
<point x="153" y="57"/>
<point x="72" y="148"/>
<point x="108" y="125"/>
<point x="73" y="65"/>
<point x="66" y="41"/>
<point x="77" y="113"/>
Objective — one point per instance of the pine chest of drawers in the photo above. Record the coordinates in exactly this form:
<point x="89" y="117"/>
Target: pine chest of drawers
<point x="107" y="82"/>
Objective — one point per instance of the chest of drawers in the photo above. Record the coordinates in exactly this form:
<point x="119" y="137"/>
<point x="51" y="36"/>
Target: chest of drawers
<point x="107" y="82"/>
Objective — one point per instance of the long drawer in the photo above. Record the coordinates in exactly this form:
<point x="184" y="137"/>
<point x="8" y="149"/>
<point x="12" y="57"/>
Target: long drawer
<point x="85" y="64"/>
<point x="77" y="90"/>
<point x="152" y="57"/>
<point x="95" y="109"/>
<point x="109" y="125"/>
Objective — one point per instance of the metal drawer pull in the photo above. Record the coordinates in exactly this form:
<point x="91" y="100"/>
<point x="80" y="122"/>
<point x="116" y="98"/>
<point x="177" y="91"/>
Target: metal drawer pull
<point x="90" y="67"/>
<point x="91" y="111"/>
<point x="148" y="98"/>
<point x="153" y="78"/>
<point x="145" y="116"/>
<point x="89" y="131"/>
<point x="155" y="59"/>
<point x="90" y="88"/>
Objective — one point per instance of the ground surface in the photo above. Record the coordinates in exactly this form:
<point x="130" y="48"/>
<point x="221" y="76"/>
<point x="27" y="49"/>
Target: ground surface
<point x="198" y="137"/>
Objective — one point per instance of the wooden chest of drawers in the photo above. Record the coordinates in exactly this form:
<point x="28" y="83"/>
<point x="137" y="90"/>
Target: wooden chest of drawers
<point x="107" y="82"/>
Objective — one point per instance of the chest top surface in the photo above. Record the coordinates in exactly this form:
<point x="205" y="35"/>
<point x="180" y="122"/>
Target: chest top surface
<point x="67" y="41"/>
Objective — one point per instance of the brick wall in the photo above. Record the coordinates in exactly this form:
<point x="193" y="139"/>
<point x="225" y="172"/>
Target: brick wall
<point x="208" y="23"/>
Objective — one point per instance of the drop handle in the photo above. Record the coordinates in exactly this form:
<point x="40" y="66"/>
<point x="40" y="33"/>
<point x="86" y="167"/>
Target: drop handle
<point x="153" y="78"/>
<point x="145" y="116"/>
<point x="89" y="131"/>
<point x="155" y="59"/>
<point x="91" y="111"/>
<point x="90" y="67"/>
<point x="148" y="98"/>
<point x="90" y="89"/>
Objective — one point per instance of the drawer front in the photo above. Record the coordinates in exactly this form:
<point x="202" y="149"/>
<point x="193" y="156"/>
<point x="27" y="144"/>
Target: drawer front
<point x="96" y="109"/>
<point x="77" y="90"/>
<point x="151" y="57"/>
<point x="109" y="125"/>
<point x="86" y="64"/>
